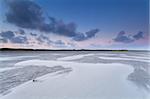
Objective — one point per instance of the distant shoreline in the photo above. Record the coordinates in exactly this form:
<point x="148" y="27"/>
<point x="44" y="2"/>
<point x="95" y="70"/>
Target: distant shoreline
<point x="11" y="49"/>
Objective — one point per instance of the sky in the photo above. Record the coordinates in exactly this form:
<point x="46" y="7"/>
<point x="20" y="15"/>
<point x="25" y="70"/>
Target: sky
<point x="74" y="24"/>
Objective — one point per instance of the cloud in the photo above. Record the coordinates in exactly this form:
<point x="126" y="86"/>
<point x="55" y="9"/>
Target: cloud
<point x="11" y="37"/>
<point x="65" y="29"/>
<point x="91" y="33"/>
<point x="123" y="38"/>
<point x="25" y="14"/>
<point x="43" y="39"/>
<point x="7" y="34"/>
<point x="29" y="15"/>
<point x="21" y="31"/>
<point x="19" y="39"/>
<point x="59" y="42"/>
<point x="46" y="40"/>
<point x="87" y="35"/>
<point x="79" y="37"/>
<point x="139" y="35"/>
<point x="2" y="40"/>
<point x="33" y="34"/>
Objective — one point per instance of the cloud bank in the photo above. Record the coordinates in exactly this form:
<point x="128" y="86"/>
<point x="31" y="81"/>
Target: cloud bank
<point x="123" y="38"/>
<point x="10" y="36"/>
<point x="29" y="15"/>
<point x="18" y="38"/>
<point x="87" y="35"/>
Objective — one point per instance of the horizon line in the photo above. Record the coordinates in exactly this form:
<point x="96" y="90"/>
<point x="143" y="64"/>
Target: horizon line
<point x="30" y="49"/>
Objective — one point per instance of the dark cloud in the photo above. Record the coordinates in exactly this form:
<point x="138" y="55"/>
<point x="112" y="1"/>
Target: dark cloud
<point x="139" y="35"/>
<point x="19" y="39"/>
<point x="33" y="34"/>
<point x="87" y="35"/>
<point x="21" y="31"/>
<point x="92" y="33"/>
<point x="3" y="40"/>
<point x="7" y="34"/>
<point x="65" y="29"/>
<point x="123" y="38"/>
<point x="11" y="37"/>
<point x="41" y="39"/>
<point x="44" y="39"/>
<point x="27" y="14"/>
<point x="79" y="37"/>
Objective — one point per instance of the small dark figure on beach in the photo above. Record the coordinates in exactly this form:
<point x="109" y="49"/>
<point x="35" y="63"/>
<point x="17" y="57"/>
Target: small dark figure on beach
<point x="34" y="80"/>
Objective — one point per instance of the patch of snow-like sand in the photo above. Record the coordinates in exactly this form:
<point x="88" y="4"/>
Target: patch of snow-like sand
<point x="74" y="57"/>
<point x="15" y="77"/>
<point x="123" y="58"/>
<point x="86" y="81"/>
<point x="13" y="58"/>
<point x="138" y="57"/>
<point x="7" y="68"/>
